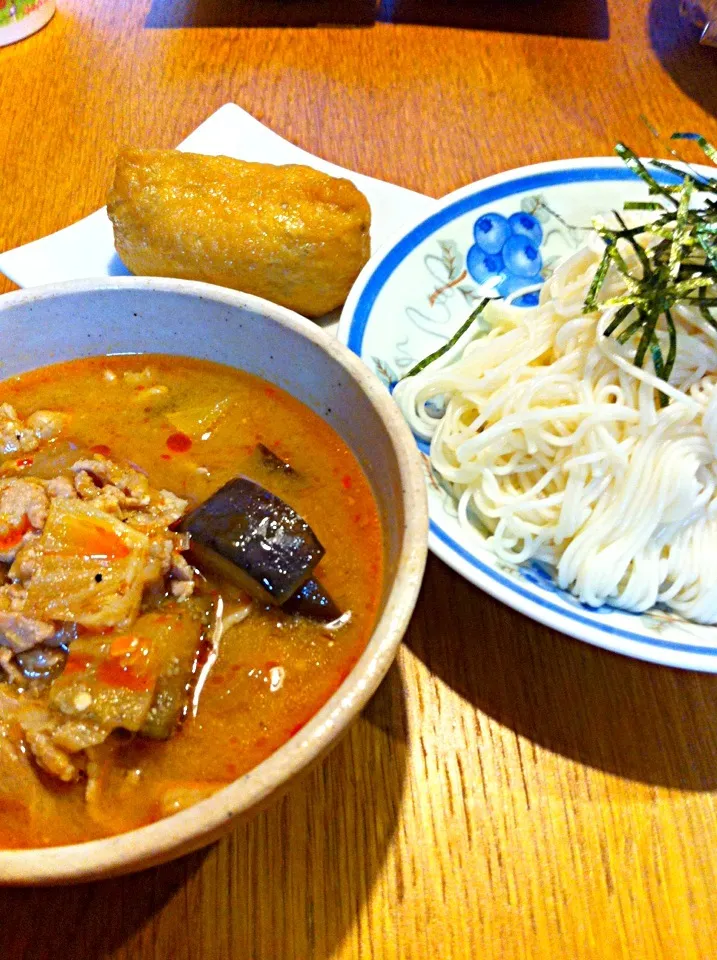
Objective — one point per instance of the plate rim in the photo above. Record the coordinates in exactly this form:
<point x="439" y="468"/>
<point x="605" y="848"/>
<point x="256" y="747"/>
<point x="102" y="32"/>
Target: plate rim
<point x="351" y="331"/>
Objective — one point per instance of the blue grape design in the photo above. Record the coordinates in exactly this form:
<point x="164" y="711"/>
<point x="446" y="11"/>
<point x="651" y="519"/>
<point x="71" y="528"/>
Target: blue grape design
<point x="522" y="257"/>
<point x="525" y="224"/>
<point x="507" y="249"/>
<point x="482" y="266"/>
<point x="490" y="232"/>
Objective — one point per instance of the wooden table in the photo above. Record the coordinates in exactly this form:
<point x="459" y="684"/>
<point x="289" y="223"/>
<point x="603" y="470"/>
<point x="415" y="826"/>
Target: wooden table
<point x="509" y="792"/>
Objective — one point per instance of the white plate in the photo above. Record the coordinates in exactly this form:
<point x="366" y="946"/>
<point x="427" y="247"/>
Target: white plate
<point x="86" y="248"/>
<point x="414" y="294"/>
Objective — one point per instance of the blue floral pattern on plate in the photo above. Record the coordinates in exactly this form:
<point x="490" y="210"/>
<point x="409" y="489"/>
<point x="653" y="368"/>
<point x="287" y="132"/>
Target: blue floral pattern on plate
<point x="506" y="253"/>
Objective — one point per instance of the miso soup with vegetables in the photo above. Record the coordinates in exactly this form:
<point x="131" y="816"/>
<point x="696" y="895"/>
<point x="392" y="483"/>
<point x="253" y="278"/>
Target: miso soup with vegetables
<point x="190" y="565"/>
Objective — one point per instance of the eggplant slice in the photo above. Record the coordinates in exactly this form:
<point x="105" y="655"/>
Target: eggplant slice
<point x="254" y="538"/>
<point x="270" y="461"/>
<point x="313" y="602"/>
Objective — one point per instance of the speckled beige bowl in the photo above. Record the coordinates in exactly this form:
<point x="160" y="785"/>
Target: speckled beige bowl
<point x="84" y="318"/>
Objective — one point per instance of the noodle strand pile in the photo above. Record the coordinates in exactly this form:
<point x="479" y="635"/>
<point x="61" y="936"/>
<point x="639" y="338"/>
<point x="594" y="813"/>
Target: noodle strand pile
<point x="555" y="442"/>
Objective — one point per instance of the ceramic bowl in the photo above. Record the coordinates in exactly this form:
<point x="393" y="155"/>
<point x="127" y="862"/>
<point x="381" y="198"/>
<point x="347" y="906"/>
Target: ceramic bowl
<point x="127" y="314"/>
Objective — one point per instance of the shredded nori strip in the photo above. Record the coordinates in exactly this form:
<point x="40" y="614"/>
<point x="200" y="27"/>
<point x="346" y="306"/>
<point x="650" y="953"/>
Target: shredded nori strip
<point x="676" y="264"/>
<point x="422" y="364"/>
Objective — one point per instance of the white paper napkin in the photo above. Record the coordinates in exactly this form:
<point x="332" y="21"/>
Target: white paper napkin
<point x="86" y="248"/>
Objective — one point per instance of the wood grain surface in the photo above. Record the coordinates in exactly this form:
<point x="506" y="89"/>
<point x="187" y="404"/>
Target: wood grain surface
<point x="508" y="793"/>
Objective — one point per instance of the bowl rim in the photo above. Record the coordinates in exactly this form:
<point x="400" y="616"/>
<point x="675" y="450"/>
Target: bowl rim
<point x="156" y="843"/>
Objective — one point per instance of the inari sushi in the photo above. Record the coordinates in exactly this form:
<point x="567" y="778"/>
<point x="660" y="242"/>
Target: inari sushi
<point x="289" y="233"/>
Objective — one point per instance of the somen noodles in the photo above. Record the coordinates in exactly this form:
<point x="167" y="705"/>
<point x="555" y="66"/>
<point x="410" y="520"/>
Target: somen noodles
<point x="560" y="449"/>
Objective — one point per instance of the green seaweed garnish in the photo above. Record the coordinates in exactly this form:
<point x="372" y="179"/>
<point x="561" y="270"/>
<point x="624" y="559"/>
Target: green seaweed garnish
<point x="422" y="364"/>
<point x="677" y="263"/>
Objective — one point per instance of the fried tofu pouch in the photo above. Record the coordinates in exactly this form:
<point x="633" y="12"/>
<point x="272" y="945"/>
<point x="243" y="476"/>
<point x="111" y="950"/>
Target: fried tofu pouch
<point x="290" y="234"/>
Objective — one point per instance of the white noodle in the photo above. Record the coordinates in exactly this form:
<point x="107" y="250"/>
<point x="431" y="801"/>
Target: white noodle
<point x="232" y="619"/>
<point x="553" y="440"/>
<point x="222" y="623"/>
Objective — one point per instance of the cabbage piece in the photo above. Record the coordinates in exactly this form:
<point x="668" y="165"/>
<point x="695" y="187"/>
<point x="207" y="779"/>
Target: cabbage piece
<point x="90" y="567"/>
<point x="199" y="418"/>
